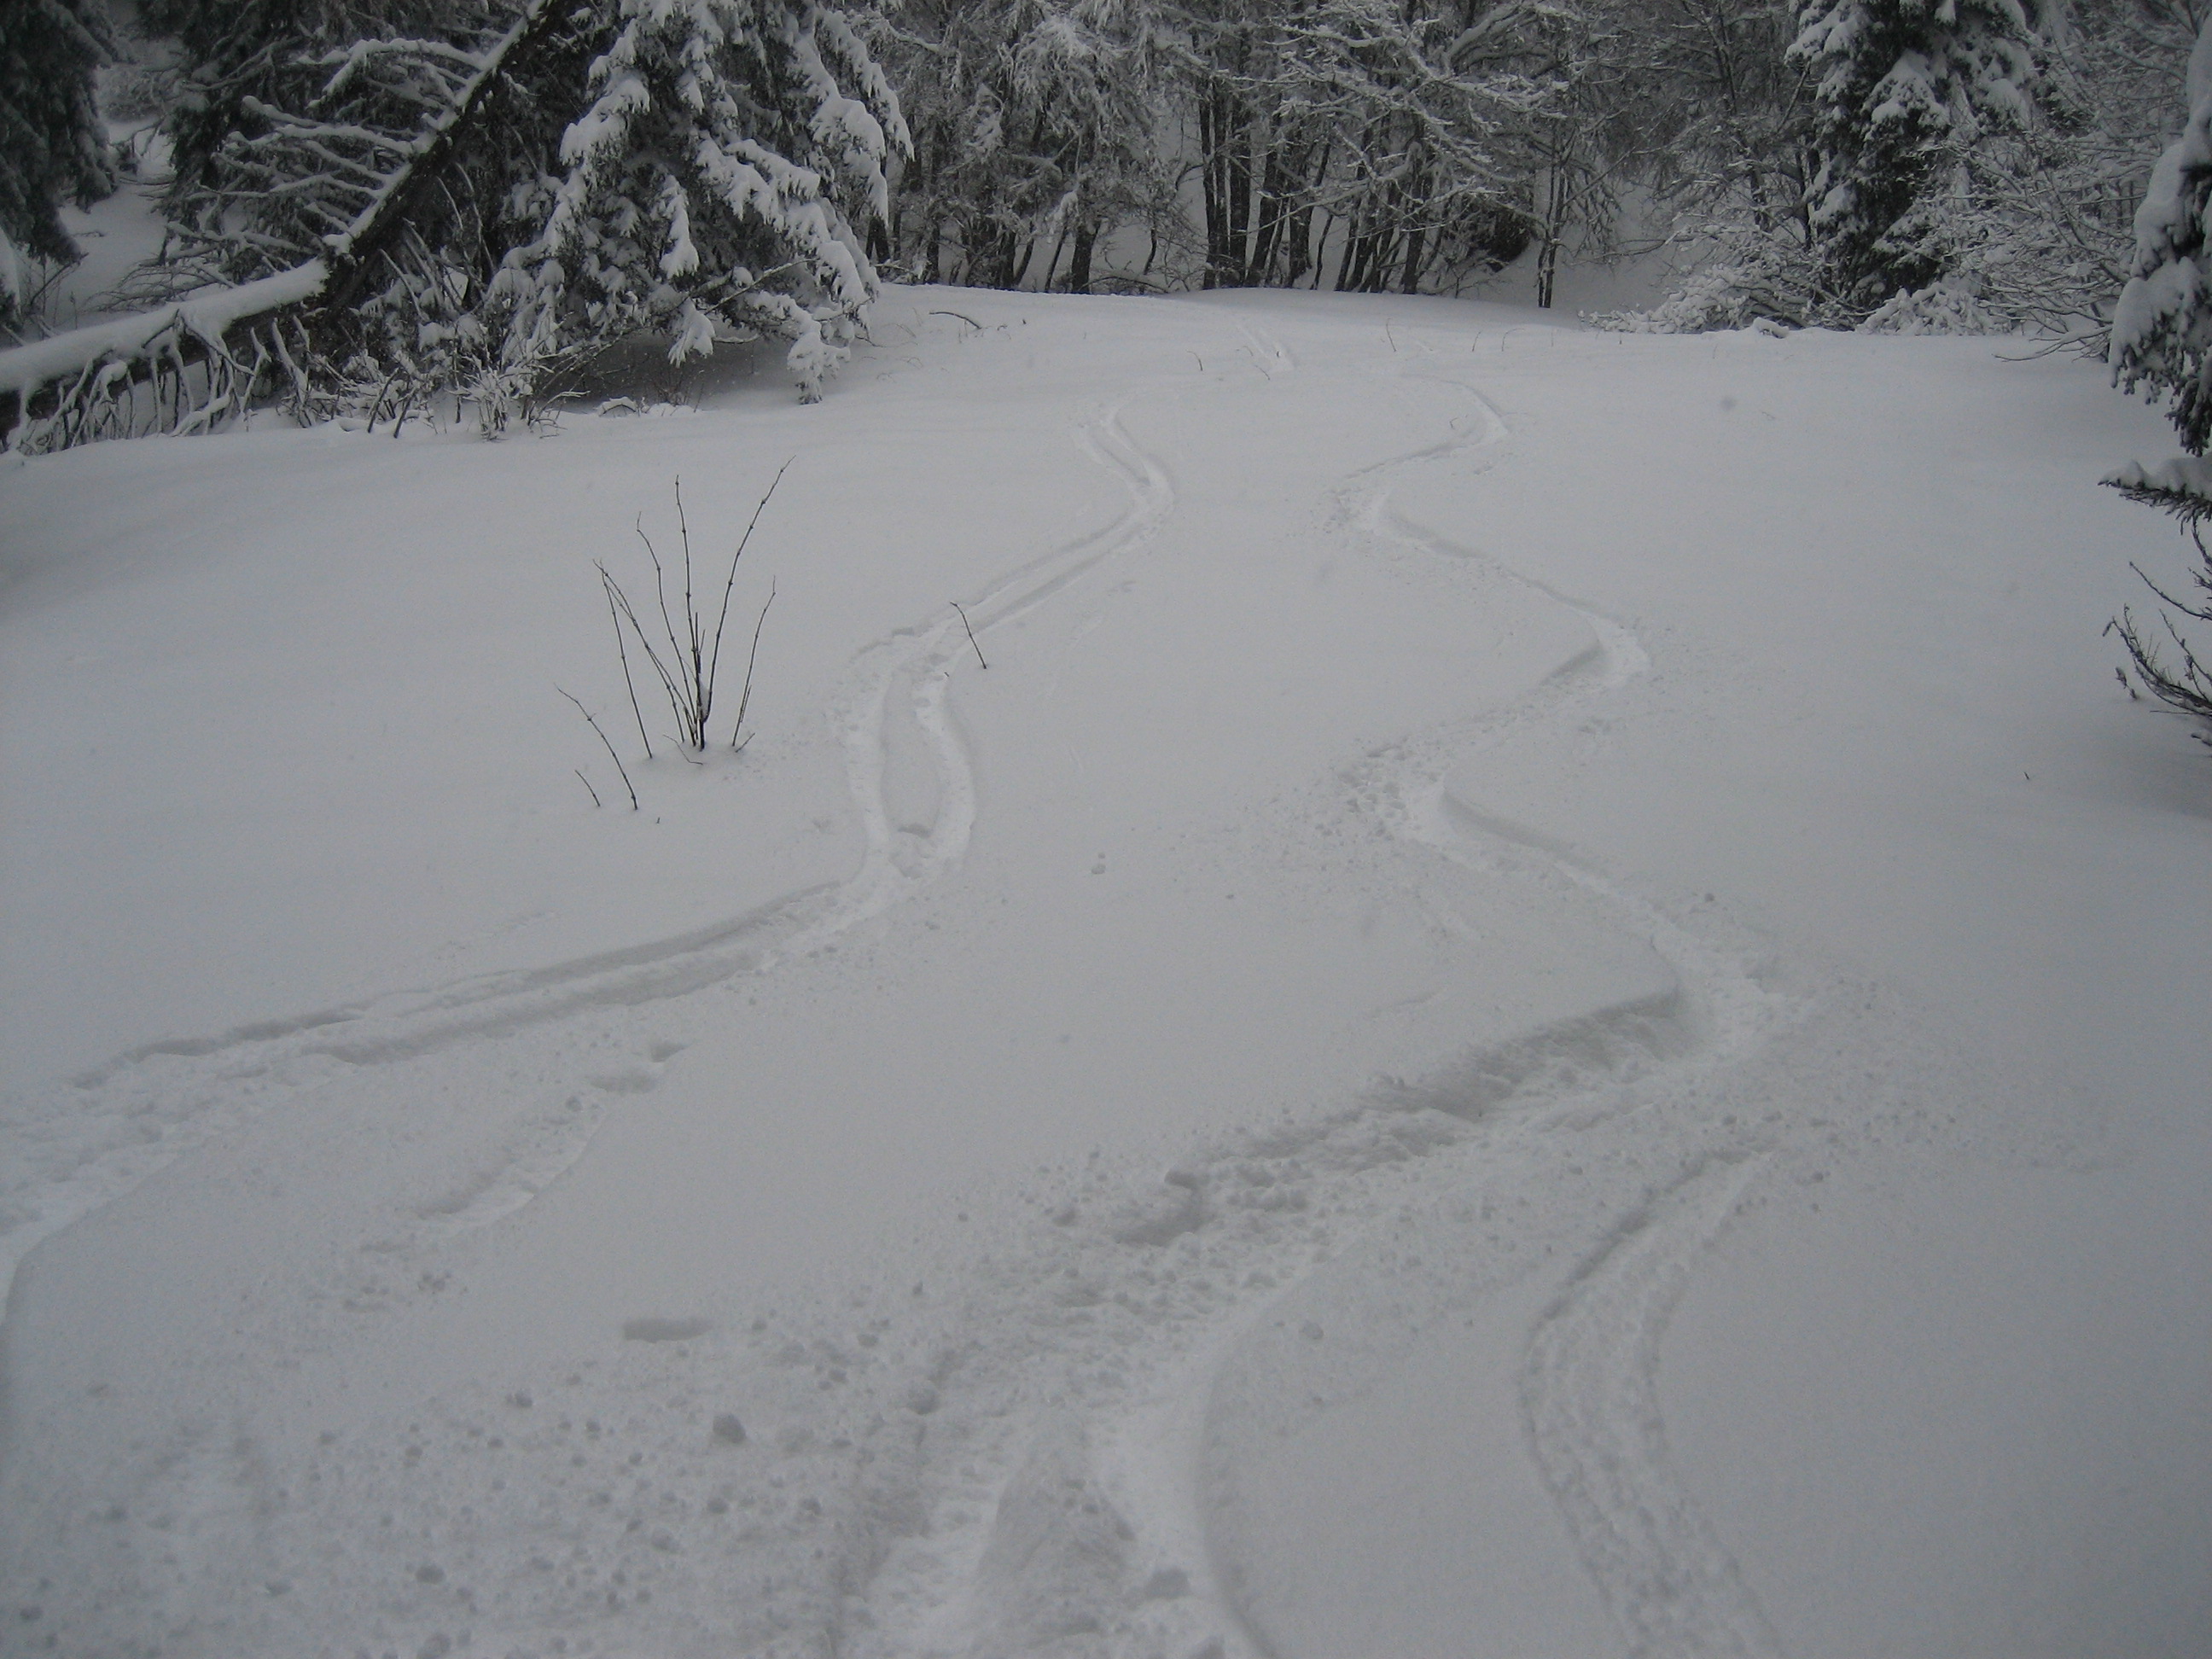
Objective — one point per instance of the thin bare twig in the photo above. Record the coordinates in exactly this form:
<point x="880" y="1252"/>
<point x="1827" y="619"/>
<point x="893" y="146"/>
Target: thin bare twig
<point x="622" y="651"/>
<point x="669" y="685"/>
<point x="619" y="767"/>
<point x="702" y="694"/>
<point x="660" y="592"/>
<point x="691" y="671"/>
<point x="586" y="782"/>
<point x="714" y="662"/>
<point x="745" y="696"/>
<point x="971" y="627"/>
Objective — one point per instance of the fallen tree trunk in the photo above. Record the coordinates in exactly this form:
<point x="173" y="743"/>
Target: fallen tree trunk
<point x="40" y="381"/>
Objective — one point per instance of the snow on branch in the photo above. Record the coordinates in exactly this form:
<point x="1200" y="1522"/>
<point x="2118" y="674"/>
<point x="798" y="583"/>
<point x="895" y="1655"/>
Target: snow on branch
<point x="347" y="64"/>
<point x="2184" y="476"/>
<point x="697" y="141"/>
<point x="86" y="373"/>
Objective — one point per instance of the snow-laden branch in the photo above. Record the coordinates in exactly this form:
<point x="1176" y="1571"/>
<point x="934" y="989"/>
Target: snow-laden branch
<point x="2182" y="476"/>
<point x="382" y="208"/>
<point x="346" y="64"/>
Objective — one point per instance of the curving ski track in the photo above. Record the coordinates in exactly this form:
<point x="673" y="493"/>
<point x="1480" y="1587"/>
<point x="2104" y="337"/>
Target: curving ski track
<point x="1589" y="1398"/>
<point x="141" y="1111"/>
<point x="1075" y="1486"/>
<point x="1006" y="1572"/>
<point x="1589" y="1391"/>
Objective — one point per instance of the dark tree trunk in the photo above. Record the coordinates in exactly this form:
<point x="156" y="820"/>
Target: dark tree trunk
<point x="1346" y="261"/>
<point x="1212" y="184"/>
<point x="1305" y="258"/>
<point x="1274" y="212"/>
<point x="1238" y="269"/>
<point x="1078" y="263"/>
<point x="1409" y="278"/>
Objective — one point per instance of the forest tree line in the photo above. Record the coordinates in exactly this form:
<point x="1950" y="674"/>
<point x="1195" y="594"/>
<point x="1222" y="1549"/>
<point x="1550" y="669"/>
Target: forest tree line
<point x="497" y="188"/>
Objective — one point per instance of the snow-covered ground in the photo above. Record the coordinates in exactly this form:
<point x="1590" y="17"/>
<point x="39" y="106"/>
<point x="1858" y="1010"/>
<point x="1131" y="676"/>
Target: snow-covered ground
<point x="1546" y="1003"/>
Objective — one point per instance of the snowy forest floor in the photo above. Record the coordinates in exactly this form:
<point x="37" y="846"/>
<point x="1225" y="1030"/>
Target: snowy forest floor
<point x="1546" y="1003"/>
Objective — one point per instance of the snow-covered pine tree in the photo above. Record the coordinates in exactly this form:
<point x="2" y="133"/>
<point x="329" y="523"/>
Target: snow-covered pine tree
<point x="2161" y="345"/>
<point x="387" y="159"/>
<point x="2162" y="328"/>
<point x="488" y="199"/>
<point x="54" y="147"/>
<point x="236" y="55"/>
<point x="298" y="119"/>
<point x="2033" y="223"/>
<point x="1899" y="87"/>
<point x="721" y="175"/>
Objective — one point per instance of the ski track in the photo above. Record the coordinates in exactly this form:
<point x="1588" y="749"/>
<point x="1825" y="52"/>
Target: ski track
<point x="1031" y="1480"/>
<point x="1123" y="1563"/>
<point x="161" y="1100"/>
<point x="1589" y="1402"/>
<point x="1589" y="1389"/>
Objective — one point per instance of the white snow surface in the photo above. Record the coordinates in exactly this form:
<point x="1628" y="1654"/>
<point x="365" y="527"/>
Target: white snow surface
<point x="1546" y="1003"/>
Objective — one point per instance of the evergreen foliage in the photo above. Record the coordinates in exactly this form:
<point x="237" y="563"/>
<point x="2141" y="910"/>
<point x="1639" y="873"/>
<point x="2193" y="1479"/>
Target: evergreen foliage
<point x="1983" y="181"/>
<point x="246" y="57"/>
<point x="2033" y="222"/>
<point x="506" y="186"/>
<point x="2184" y="681"/>
<point x="713" y="182"/>
<point x="2161" y="341"/>
<point x="2162" y="332"/>
<point x="1901" y="88"/>
<point x="54" y="147"/>
<point x="498" y="189"/>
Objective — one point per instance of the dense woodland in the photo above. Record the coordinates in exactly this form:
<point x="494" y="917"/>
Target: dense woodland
<point x="499" y="182"/>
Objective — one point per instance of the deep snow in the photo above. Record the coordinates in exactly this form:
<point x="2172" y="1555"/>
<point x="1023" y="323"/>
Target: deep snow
<point x="1546" y="1003"/>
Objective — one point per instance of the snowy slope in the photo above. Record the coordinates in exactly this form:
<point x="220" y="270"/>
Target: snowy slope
<point x="1540" y="1005"/>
